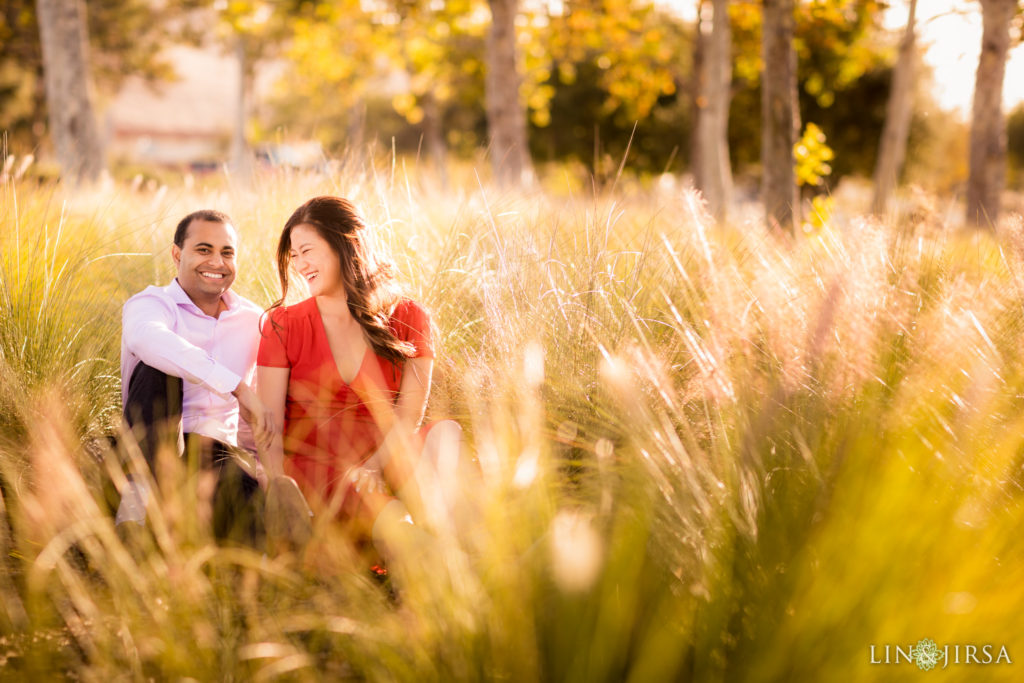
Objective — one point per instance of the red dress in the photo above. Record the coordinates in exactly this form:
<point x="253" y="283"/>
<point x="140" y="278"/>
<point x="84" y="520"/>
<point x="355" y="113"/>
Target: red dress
<point x="330" y="426"/>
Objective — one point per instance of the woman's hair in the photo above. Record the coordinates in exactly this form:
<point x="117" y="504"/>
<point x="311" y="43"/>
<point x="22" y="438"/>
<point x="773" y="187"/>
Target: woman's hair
<point x="368" y="280"/>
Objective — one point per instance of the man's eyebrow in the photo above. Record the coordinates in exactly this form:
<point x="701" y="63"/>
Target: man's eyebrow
<point x="204" y="244"/>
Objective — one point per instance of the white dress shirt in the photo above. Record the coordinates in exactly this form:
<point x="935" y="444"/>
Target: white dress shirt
<point x="164" y="329"/>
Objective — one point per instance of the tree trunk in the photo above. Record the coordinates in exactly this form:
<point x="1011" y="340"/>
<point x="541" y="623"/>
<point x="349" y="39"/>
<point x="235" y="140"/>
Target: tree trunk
<point x="506" y="119"/>
<point x="433" y="133"/>
<point x="892" y="148"/>
<point x="698" y="87"/>
<point x="712" y="173"/>
<point x="240" y="161"/>
<point x="780" y="116"/>
<point x="76" y="138"/>
<point x="355" y="141"/>
<point x="988" y="129"/>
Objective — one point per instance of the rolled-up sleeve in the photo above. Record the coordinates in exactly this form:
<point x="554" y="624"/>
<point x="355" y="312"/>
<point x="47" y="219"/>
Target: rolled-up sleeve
<point x="147" y="323"/>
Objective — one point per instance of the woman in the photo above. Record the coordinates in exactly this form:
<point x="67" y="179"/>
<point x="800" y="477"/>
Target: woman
<point x="346" y="373"/>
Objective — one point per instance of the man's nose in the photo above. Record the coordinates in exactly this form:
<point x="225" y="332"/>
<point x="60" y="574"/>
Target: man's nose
<point x="216" y="260"/>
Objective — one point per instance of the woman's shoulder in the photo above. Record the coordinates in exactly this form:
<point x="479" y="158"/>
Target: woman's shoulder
<point x="408" y="311"/>
<point x="293" y="312"/>
<point x="291" y="317"/>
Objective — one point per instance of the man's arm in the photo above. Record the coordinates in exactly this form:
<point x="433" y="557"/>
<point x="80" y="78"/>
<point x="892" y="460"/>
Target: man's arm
<point x="146" y="331"/>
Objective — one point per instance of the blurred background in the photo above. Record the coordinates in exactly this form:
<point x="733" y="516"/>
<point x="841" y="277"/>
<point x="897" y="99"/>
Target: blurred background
<point x="748" y="433"/>
<point x="191" y="85"/>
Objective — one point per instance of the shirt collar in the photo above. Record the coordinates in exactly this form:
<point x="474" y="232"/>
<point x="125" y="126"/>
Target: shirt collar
<point x="179" y="296"/>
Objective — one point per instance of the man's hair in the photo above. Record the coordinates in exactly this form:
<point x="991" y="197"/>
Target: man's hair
<point x="208" y="215"/>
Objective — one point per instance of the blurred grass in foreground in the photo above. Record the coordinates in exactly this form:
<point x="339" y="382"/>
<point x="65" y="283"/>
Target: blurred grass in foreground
<point x="704" y="453"/>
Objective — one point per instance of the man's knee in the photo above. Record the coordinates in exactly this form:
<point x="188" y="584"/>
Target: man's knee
<point x="153" y="396"/>
<point x="153" y="408"/>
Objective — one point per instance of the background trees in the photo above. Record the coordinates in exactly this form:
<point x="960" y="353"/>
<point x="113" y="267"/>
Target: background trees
<point x="114" y="39"/>
<point x="600" y="84"/>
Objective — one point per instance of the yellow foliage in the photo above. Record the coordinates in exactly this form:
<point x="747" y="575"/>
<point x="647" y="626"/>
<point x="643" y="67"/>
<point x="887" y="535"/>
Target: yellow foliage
<point x="812" y="154"/>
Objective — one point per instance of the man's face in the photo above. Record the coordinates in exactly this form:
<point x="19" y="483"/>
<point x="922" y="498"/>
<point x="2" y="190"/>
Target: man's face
<point x="206" y="261"/>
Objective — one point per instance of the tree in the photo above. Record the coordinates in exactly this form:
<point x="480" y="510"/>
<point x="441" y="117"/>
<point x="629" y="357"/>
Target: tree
<point x="124" y="38"/>
<point x="711" y="168"/>
<point x="987" y="166"/>
<point x="22" y="90"/>
<point x="249" y="29"/>
<point x="332" y="59"/>
<point x="439" y="46"/>
<point x="892" y="147"/>
<point x="349" y="63"/>
<point x="843" y="76"/>
<point x="506" y="118"/>
<point x="1015" y="145"/>
<point x="780" y="116"/>
<point x="603" y="77"/>
<point x="62" y="32"/>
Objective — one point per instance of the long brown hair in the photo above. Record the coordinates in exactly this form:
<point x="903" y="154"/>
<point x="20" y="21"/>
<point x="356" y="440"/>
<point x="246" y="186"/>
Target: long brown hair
<point x="368" y="279"/>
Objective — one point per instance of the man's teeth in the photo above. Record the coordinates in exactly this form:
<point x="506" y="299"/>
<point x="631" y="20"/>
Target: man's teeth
<point x="216" y="276"/>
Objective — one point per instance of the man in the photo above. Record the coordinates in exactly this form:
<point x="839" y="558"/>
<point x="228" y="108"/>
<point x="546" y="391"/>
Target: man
<point x="188" y="358"/>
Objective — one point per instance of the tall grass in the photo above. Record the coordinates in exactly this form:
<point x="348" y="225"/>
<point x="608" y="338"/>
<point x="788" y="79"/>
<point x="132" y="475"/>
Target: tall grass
<point x="704" y="452"/>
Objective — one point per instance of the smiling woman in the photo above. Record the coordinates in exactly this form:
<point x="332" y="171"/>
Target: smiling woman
<point x="313" y="259"/>
<point x="347" y="374"/>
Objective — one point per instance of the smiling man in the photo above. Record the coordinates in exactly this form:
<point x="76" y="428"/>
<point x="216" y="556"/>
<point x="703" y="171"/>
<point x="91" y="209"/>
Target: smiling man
<point x="188" y="357"/>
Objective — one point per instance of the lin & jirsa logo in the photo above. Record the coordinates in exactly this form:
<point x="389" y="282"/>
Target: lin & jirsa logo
<point x="927" y="655"/>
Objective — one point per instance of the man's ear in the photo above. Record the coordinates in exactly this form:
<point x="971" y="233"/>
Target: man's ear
<point x="176" y="254"/>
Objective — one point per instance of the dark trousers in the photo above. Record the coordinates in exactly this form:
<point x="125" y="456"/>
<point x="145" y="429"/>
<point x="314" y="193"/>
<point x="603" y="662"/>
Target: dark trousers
<point x="153" y="410"/>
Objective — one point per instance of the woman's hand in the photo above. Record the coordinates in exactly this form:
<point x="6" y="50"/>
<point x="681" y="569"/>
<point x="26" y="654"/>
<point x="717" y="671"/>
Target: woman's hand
<point x="366" y="479"/>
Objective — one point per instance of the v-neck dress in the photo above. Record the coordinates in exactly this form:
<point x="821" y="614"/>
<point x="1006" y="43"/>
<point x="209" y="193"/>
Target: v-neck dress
<point x="330" y="425"/>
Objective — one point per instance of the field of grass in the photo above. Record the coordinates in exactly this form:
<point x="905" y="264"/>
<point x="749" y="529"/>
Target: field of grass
<point x="705" y="452"/>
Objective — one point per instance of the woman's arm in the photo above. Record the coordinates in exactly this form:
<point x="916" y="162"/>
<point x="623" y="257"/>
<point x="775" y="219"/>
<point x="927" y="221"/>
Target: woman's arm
<point x="391" y="457"/>
<point x="272" y="387"/>
<point x="414" y="392"/>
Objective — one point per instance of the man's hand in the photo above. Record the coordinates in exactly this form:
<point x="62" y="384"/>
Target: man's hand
<point x="257" y="415"/>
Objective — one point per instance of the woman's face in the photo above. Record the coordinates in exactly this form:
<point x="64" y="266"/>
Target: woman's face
<point x="315" y="262"/>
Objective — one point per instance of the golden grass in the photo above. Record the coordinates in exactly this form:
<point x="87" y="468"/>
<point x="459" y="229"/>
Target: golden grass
<point x="705" y="452"/>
